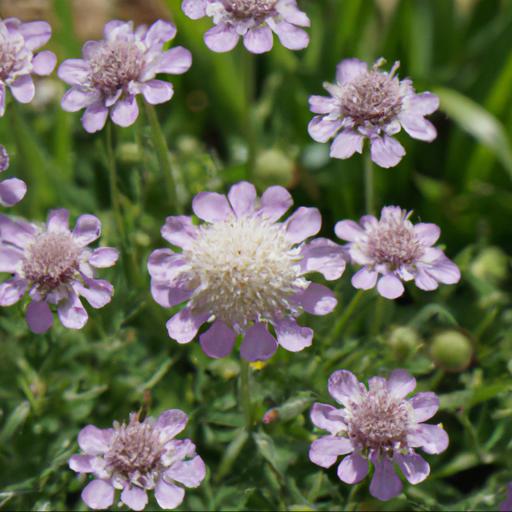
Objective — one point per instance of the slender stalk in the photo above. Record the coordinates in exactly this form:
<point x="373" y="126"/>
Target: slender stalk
<point x="345" y="317"/>
<point x="245" y="393"/>
<point x="250" y="121"/>
<point x="162" y="153"/>
<point x="369" y="185"/>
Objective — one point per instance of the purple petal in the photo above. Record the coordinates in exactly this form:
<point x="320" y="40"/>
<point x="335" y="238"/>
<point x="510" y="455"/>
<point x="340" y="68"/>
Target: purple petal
<point x="445" y="271"/>
<point x="259" y="39"/>
<point x="349" y="69"/>
<point x="93" y="440"/>
<point x="211" y="207"/>
<point x="364" y="279"/>
<point x="321" y="104"/>
<point x="166" y="266"/>
<point x="242" y="197"/>
<point x="424" y="281"/>
<point x="317" y="299"/>
<point x="400" y="383"/>
<point x="427" y="233"/>
<point x="73" y="71"/>
<point x="425" y="405"/>
<point x="348" y="230"/>
<point x="218" y="340"/>
<point x="18" y="233"/>
<point x="135" y="497"/>
<point x="390" y="287"/>
<point x="81" y="463"/>
<point x="95" y="117"/>
<point x="346" y="144"/>
<point x="11" y="291"/>
<point x="190" y="473"/>
<point x="179" y="231"/>
<point x="194" y="9"/>
<point x="292" y="336"/>
<point x="35" y="33"/>
<point x="157" y="91"/>
<point x="104" y="257"/>
<point x="168" y="296"/>
<point x="183" y="326"/>
<point x="221" y="38"/>
<point x="386" y="151"/>
<point x="58" y="220"/>
<point x="44" y="63"/>
<point x="321" y="129"/>
<point x="275" y="202"/>
<point x="2" y="99"/>
<point x="328" y="418"/>
<point x="322" y="255"/>
<point x="385" y="482"/>
<point x="23" y="89"/>
<point x="125" y="112"/>
<point x="304" y="222"/>
<point x="168" y="495"/>
<point x="291" y="37"/>
<point x="431" y="438"/>
<point x="414" y="467"/>
<point x="76" y="99"/>
<point x="258" y="344"/>
<point x="98" y="292"/>
<point x="171" y="422"/>
<point x="71" y="312"/>
<point x="423" y="104"/>
<point x="87" y="229"/>
<point x="291" y="13"/>
<point x="417" y="126"/>
<point x="325" y="451"/>
<point x="10" y="258"/>
<point x="353" y="469"/>
<point x="98" y="495"/>
<point x="344" y="387"/>
<point x="39" y="317"/>
<point x="175" y="61"/>
<point x="159" y="33"/>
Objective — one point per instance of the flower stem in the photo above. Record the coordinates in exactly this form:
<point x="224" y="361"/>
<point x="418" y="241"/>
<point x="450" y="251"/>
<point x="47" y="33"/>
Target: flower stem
<point x="245" y="393"/>
<point x="369" y="185"/>
<point x="344" y="318"/>
<point x="162" y="153"/>
<point x="250" y="126"/>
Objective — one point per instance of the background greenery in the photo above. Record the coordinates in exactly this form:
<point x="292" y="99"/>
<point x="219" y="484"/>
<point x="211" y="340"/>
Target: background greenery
<point x="53" y="385"/>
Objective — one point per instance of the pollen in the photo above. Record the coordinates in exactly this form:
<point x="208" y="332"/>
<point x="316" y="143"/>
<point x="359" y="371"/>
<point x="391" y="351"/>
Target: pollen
<point x="250" y="8"/>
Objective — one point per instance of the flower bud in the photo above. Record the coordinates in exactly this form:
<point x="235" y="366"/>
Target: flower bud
<point x="274" y="167"/>
<point x="451" y="350"/>
<point x="490" y="265"/>
<point x="404" y="341"/>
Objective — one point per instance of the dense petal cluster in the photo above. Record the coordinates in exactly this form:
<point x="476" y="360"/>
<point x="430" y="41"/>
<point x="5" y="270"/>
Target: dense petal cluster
<point x="254" y="20"/>
<point x="372" y="104"/>
<point x="396" y="250"/>
<point x="242" y="270"/>
<point x="377" y="425"/>
<point x="18" y="42"/>
<point x="13" y="190"/>
<point x="53" y="265"/>
<point x="113" y="71"/>
<point x="138" y="457"/>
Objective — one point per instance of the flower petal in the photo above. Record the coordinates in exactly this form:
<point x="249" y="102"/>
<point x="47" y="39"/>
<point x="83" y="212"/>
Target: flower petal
<point x="12" y="191"/>
<point x="321" y="104"/>
<point x="258" y="344"/>
<point x="190" y="473"/>
<point x="159" y="33"/>
<point x="353" y="469"/>
<point x="349" y="69"/>
<point x="275" y="202"/>
<point x="73" y="71"/>
<point x="348" y="230"/>
<point x="11" y="291"/>
<point x="221" y="38"/>
<point x="317" y="299"/>
<point x="364" y="279"/>
<point x="431" y="438"/>
<point x="179" y="231"/>
<point x="95" y="117"/>
<point x="125" y="112"/>
<point x="385" y="482"/>
<point x="211" y="207"/>
<point x="344" y="387"/>
<point x="183" y="326"/>
<point x="97" y="292"/>
<point x="71" y="312"/>
<point x="194" y="9"/>
<point x="93" y="440"/>
<point x="291" y="37"/>
<point x="98" y="495"/>
<point x="81" y="463"/>
<point x="44" y="63"/>
<point x="328" y="418"/>
<point x="325" y="451"/>
<point x="157" y="91"/>
<point x="10" y="258"/>
<point x="400" y="383"/>
<point x="168" y="496"/>
<point x="417" y="126"/>
<point x="35" y="33"/>
<point x="414" y="467"/>
<point x="346" y="144"/>
<point x="104" y="257"/>
<point x="322" y="255"/>
<point x="58" y="220"/>
<point x="23" y="89"/>
<point x="425" y="405"/>
<point x="171" y="422"/>
<point x="292" y="336"/>
<point x="218" y="341"/>
<point x="175" y="61"/>
<point x="423" y="104"/>
<point x="39" y="317"/>
<point x="427" y="233"/>
<point x="242" y="197"/>
<point x="390" y="287"/>
<point x="302" y="224"/>
<point x="87" y="229"/>
<point x="321" y="129"/>
<point x="386" y="151"/>
<point x="259" y="39"/>
<point x="135" y="497"/>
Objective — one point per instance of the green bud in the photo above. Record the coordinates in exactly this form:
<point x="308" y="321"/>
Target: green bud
<point x="404" y="341"/>
<point x="491" y="265"/>
<point x="451" y="350"/>
<point x="274" y="167"/>
<point x="129" y="153"/>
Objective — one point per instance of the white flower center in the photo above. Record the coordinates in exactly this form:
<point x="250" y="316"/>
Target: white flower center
<point x="242" y="9"/>
<point x="244" y="269"/>
<point x="379" y="421"/>
<point x="51" y="260"/>
<point x="114" y="65"/>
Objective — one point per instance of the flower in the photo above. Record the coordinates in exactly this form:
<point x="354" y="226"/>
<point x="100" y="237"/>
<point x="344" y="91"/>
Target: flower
<point x="398" y="250"/>
<point x="18" y="41"/>
<point x="254" y="20"/>
<point x="138" y="457"/>
<point x="374" y="104"/>
<point x="243" y="270"/>
<point x="53" y="265"/>
<point x="13" y="190"/>
<point x="113" y="71"/>
<point x="380" y="426"/>
<point x="506" y="506"/>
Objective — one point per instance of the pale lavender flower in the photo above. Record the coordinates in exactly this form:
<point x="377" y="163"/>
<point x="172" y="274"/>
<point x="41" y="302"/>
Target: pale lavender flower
<point x="372" y="104"/>
<point x="243" y="271"/>
<point x="13" y="190"/>
<point x="53" y="265"/>
<point x="377" y="425"/>
<point x="138" y="457"/>
<point x="506" y="506"/>
<point x="396" y="249"/>
<point x="113" y="71"/>
<point x="254" y="20"/>
<point x="18" y="42"/>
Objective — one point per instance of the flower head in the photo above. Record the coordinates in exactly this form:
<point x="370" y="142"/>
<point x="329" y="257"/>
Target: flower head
<point x="396" y="249"/>
<point x="137" y="457"/>
<point x="113" y="71"/>
<point x="377" y="425"/>
<point x="254" y="20"/>
<point x="243" y="270"/>
<point x="53" y="265"/>
<point x="18" y="42"/>
<point x="374" y="104"/>
<point x="13" y="190"/>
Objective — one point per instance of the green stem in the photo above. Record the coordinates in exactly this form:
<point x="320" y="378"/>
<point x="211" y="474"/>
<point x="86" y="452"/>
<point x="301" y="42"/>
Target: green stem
<point x="344" y="318"/>
<point x="245" y="393"/>
<point x="250" y="98"/>
<point x="162" y="153"/>
<point x="369" y="185"/>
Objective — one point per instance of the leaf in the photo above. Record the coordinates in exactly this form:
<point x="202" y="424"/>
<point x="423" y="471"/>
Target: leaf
<point x="267" y="449"/>
<point x="231" y="454"/>
<point x="14" y="421"/>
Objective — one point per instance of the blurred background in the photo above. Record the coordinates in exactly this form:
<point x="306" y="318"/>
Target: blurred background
<point x="457" y="341"/>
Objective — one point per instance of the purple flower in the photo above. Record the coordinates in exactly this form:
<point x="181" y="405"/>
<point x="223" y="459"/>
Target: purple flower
<point x="380" y="426"/>
<point x="398" y="251"/>
<point x="138" y="457"/>
<point x="53" y="265"/>
<point x="254" y="20"/>
<point x="13" y="190"/>
<point x="18" y="41"/>
<point x="113" y="71"/>
<point x="243" y="270"/>
<point x="506" y="506"/>
<point x="374" y="104"/>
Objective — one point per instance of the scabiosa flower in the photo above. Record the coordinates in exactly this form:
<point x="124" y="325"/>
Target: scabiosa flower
<point x="372" y="104"/>
<point x="113" y="71"/>
<point x="18" y="42"/>
<point x="506" y="506"/>
<point x="377" y="425"/>
<point x="243" y="270"/>
<point x="398" y="251"/>
<point x="138" y="457"/>
<point x="13" y="190"/>
<point x="53" y="265"/>
<point x="254" y="20"/>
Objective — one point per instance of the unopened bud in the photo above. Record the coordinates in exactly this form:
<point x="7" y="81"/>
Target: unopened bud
<point x="404" y="341"/>
<point x="491" y="265"/>
<point x="274" y="166"/>
<point x="451" y="350"/>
